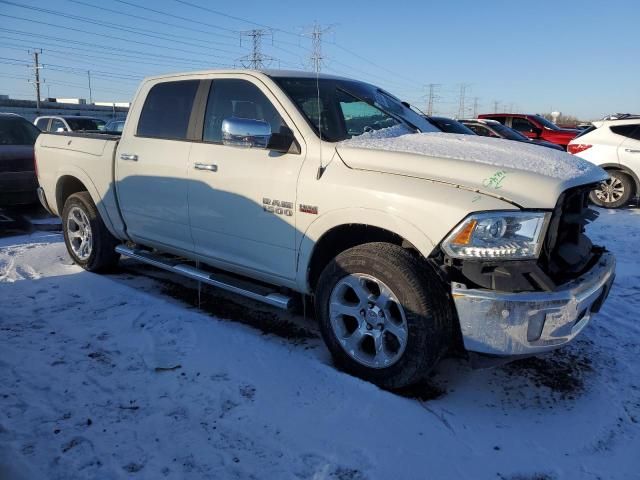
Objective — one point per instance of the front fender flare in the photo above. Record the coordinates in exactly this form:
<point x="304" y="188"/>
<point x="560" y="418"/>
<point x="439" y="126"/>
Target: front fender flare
<point x="356" y="216"/>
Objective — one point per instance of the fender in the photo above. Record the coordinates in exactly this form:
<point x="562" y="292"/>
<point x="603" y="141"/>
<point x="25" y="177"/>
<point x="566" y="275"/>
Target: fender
<point x="361" y="216"/>
<point x="82" y="176"/>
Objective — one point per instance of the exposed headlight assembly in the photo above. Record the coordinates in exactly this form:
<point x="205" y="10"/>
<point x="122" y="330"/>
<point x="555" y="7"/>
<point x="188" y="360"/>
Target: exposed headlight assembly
<point x="516" y="235"/>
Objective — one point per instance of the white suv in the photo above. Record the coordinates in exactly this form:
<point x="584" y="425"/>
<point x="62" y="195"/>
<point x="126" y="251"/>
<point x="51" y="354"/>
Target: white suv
<point x="614" y="144"/>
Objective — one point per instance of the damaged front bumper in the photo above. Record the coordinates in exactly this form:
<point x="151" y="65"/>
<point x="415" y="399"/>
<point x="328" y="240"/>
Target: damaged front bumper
<point x="501" y="323"/>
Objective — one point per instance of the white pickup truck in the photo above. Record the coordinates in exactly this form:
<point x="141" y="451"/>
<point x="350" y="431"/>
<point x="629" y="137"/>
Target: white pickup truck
<point x="408" y="240"/>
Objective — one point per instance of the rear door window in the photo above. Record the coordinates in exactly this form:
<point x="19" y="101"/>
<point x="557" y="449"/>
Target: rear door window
<point x="167" y="110"/>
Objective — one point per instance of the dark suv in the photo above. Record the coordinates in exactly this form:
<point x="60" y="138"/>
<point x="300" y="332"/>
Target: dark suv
<point x="535" y="127"/>
<point x="18" y="182"/>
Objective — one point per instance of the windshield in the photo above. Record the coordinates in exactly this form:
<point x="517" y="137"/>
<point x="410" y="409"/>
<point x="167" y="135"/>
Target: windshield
<point x="17" y="131"/>
<point x="546" y="123"/>
<point x="508" y="133"/>
<point x="345" y="108"/>
<point x="79" y="124"/>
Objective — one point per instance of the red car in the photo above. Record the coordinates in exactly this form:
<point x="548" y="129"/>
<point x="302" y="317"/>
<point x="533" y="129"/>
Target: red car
<point x="535" y="126"/>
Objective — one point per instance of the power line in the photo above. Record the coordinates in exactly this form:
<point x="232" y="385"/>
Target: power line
<point x="159" y="12"/>
<point x="102" y="35"/>
<point x="137" y="31"/>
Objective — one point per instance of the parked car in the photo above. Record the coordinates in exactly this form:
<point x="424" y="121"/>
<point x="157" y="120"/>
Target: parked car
<point x="535" y="126"/>
<point x="615" y="146"/>
<point x="449" y="125"/>
<point x="18" y="181"/>
<point x="114" y="126"/>
<point x="68" y="123"/>
<point x="492" y="128"/>
<point x="406" y="238"/>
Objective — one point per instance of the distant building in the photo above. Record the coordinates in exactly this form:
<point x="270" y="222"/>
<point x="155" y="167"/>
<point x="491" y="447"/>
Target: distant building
<point x="64" y="106"/>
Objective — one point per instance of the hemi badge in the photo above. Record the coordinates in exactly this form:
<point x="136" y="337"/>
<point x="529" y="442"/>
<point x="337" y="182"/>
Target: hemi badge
<point x="309" y="209"/>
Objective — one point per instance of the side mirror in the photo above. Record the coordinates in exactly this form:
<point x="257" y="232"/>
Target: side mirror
<point x="245" y="133"/>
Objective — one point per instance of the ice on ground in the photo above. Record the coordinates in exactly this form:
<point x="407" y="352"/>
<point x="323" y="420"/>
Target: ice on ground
<point x="108" y="377"/>
<point x="473" y="148"/>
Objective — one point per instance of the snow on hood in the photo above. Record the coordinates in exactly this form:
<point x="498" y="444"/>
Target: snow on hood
<point x="472" y="148"/>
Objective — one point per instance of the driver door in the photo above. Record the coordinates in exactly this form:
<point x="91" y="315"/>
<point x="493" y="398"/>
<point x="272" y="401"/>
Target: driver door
<point x="242" y="200"/>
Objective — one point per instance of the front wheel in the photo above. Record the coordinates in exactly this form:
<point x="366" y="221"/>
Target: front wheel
<point x="614" y="192"/>
<point x="86" y="237"/>
<point x="384" y="315"/>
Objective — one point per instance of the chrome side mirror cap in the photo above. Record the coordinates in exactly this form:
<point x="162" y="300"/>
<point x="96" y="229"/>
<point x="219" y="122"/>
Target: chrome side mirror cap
<point x="245" y="133"/>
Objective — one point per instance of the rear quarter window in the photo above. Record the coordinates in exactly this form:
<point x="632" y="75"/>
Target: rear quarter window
<point x="167" y="110"/>
<point x="629" y="131"/>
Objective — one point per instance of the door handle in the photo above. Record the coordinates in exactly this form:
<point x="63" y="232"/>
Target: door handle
<point x="129" y="156"/>
<point x="631" y="150"/>
<point x="211" y="167"/>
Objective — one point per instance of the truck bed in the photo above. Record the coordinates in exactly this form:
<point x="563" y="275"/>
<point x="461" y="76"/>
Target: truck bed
<point x="87" y="156"/>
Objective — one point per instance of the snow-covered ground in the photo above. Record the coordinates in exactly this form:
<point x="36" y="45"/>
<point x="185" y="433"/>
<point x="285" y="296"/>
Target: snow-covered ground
<point x="121" y="376"/>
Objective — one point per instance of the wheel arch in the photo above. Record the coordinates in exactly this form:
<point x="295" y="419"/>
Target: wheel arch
<point x="74" y="181"/>
<point x="327" y="237"/>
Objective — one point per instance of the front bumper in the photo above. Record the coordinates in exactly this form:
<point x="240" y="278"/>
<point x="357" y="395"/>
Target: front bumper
<point x="500" y="323"/>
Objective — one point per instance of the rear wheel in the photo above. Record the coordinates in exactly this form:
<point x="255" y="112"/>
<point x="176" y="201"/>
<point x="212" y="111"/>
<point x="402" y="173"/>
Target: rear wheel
<point x="614" y="192"/>
<point x="384" y="315"/>
<point x="88" y="241"/>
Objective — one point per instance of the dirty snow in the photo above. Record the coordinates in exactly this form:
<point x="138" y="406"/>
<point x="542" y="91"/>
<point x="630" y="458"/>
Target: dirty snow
<point x="473" y="148"/>
<point x="121" y="376"/>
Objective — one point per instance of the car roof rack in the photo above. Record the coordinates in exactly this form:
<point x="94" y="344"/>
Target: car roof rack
<point x="621" y="116"/>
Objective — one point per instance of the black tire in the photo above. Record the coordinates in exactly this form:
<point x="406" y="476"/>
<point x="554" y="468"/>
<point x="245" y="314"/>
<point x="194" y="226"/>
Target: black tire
<point x="427" y="308"/>
<point x="618" y="179"/>
<point x="102" y="255"/>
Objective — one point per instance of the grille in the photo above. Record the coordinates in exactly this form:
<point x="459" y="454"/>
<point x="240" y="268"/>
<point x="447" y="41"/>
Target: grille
<point x="567" y="251"/>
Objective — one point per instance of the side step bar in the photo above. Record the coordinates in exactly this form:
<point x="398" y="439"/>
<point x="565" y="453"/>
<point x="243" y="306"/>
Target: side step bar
<point x="240" y="287"/>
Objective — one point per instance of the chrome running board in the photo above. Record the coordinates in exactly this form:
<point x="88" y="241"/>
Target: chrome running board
<point x="228" y="283"/>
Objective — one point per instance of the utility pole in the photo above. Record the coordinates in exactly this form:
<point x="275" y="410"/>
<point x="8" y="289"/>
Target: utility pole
<point x="90" y="94"/>
<point x="256" y="59"/>
<point x="461" y="103"/>
<point x="432" y="97"/>
<point x="316" y="58"/>
<point x="36" y="69"/>
<point x="496" y="103"/>
<point x="475" y="107"/>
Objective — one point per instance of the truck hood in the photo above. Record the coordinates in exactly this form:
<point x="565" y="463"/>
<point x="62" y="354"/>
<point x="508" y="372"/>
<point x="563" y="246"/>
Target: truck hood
<point x="523" y="174"/>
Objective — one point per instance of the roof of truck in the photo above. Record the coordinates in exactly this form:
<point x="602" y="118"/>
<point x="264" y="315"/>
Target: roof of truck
<point x="268" y="72"/>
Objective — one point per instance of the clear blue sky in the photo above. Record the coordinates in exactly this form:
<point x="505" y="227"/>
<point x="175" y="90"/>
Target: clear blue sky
<point x="581" y="58"/>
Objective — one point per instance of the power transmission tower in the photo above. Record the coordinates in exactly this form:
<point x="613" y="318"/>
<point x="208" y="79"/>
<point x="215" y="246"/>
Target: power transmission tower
<point x="316" y="58"/>
<point x="432" y="97"/>
<point x="461" y="103"/>
<point x="256" y="59"/>
<point x="36" y="69"/>
<point x="496" y="103"/>
<point x="90" y="94"/>
<point x="475" y="107"/>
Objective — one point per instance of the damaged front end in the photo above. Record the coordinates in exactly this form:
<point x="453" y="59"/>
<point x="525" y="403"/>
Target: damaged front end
<point x="523" y="307"/>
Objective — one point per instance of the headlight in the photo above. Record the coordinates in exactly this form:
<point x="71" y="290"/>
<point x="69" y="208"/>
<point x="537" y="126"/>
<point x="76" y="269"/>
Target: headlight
<point x="500" y="235"/>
